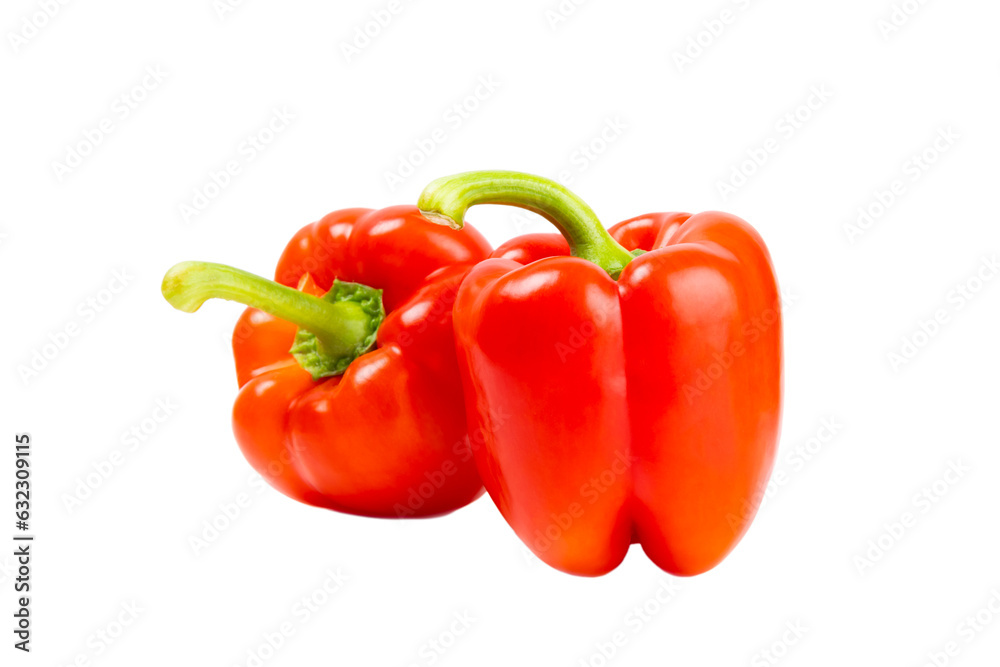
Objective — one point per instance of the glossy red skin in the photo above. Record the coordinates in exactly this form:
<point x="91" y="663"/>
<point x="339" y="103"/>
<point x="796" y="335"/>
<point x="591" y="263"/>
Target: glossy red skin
<point x="531" y="247"/>
<point x="388" y="438"/>
<point x="608" y="419"/>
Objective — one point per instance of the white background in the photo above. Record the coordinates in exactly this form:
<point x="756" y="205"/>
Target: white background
<point x="686" y="127"/>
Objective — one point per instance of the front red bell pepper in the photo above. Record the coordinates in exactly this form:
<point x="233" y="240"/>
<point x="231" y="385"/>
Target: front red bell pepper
<point x="342" y="406"/>
<point x="639" y="380"/>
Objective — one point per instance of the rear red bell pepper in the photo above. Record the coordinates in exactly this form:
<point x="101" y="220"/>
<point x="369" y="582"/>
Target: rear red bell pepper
<point x="364" y="415"/>
<point x="638" y="381"/>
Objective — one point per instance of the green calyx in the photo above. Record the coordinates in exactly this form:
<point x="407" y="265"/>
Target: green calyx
<point x="364" y="312"/>
<point x="446" y="200"/>
<point x="334" y="329"/>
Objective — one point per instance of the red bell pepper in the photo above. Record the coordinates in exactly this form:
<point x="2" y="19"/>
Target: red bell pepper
<point x="640" y="379"/>
<point x="342" y="406"/>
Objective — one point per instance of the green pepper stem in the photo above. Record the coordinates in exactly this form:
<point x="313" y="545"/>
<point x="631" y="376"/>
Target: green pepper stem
<point x="446" y="200"/>
<point x="340" y="328"/>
